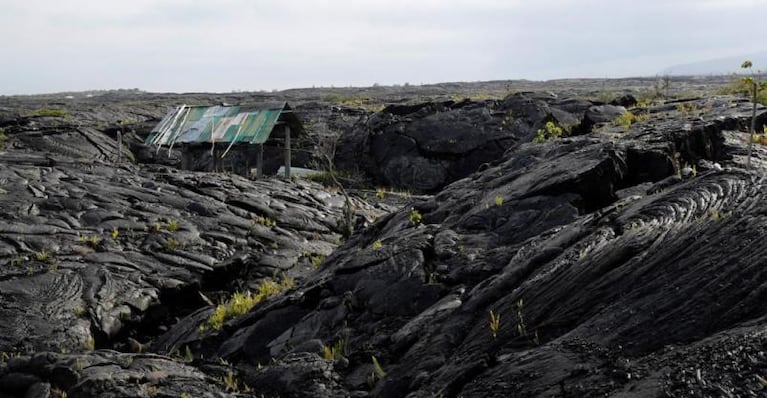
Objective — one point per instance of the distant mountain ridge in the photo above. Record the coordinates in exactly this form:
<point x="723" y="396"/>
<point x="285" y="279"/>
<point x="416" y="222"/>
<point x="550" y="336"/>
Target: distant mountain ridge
<point x="718" y="66"/>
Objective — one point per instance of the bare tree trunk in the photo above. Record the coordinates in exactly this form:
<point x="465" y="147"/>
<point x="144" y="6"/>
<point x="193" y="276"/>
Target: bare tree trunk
<point x="752" y="131"/>
<point x="348" y="228"/>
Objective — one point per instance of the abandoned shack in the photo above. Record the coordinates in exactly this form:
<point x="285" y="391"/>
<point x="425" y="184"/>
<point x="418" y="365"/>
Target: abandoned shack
<point x="229" y="137"/>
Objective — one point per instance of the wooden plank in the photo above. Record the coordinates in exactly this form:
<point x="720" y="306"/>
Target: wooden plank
<point x="287" y="151"/>
<point x="260" y="161"/>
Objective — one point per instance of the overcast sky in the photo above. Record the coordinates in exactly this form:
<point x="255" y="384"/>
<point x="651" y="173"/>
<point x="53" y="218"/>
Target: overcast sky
<point x="225" y="45"/>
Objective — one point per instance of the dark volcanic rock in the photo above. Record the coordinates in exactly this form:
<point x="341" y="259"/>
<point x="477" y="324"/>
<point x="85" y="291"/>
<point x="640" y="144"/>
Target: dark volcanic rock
<point x="426" y="146"/>
<point x="624" y="262"/>
<point x="591" y="285"/>
<point x="105" y="374"/>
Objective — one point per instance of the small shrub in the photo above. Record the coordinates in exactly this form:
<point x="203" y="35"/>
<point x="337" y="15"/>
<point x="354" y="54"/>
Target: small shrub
<point x="172" y="244"/>
<point x="377" y="245"/>
<point x="627" y="119"/>
<point x="380" y="193"/>
<point x="89" y="344"/>
<point x="317" y="260"/>
<point x="43" y="256"/>
<point x="415" y="217"/>
<point x="172" y="225"/>
<point x="115" y="233"/>
<point x="548" y="132"/>
<point x="498" y="200"/>
<point x="744" y="86"/>
<point x="3" y="138"/>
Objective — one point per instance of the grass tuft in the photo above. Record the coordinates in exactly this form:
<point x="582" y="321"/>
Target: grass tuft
<point x="242" y="302"/>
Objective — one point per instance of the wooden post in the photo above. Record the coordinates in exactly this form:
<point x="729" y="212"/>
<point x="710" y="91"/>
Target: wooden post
<point x="119" y="147"/>
<point x="185" y="158"/>
<point x="260" y="161"/>
<point x="287" y="151"/>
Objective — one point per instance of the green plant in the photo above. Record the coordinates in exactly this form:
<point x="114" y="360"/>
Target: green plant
<point x="50" y="112"/>
<point x="744" y="85"/>
<point x="687" y="108"/>
<point x="188" y="356"/>
<point x="265" y="221"/>
<point x="18" y="260"/>
<point x="115" y="233"/>
<point x="94" y="241"/>
<point x="377" y="245"/>
<point x="626" y="119"/>
<point x="43" y="256"/>
<point x="230" y="383"/>
<point x="507" y="121"/>
<point x="548" y="132"/>
<point x="172" y="244"/>
<point x="415" y="217"/>
<point x="755" y="87"/>
<point x="335" y="352"/>
<point x="78" y="311"/>
<point x="240" y="303"/>
<point x="317" y="260"/>
<point x="3" y="138"/>
<point x="715" y="214"/>
<point x="89" y="344"/>
<point x="172" y="225"/>
<point x="380" y="193"/>
<point x="378" y="372"/>
<point x="58" y="393"/>
<point x="521" y="328"/>
<point x="495" y="323"/>
<point x="498" y="200"/>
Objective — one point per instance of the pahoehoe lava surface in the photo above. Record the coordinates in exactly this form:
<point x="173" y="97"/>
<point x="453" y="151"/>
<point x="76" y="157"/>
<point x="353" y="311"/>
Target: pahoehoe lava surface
<point x="620" y="261"/>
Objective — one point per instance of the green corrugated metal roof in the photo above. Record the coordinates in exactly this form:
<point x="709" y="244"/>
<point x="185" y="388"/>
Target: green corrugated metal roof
<point x="222" y="124"/>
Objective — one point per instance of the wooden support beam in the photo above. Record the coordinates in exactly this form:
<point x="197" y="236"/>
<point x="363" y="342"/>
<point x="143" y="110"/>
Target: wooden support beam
<point x="260" y="161"/>
<point x="185" y="158"/>
<point x="287" y="151"/>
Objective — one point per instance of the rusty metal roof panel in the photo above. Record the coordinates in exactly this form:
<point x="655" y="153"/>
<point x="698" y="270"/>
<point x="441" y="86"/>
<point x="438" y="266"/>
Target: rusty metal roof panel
<point x="221" y="124"/>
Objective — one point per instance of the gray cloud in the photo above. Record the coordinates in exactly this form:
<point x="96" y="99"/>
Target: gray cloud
<point x="189" y="45"/>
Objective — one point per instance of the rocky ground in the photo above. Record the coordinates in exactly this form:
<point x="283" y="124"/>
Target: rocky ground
<point x="620" y="259"/>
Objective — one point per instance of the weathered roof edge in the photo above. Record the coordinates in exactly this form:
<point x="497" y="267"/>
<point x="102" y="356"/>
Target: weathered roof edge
<point x="173" y="125"/>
